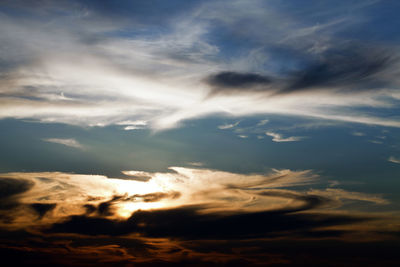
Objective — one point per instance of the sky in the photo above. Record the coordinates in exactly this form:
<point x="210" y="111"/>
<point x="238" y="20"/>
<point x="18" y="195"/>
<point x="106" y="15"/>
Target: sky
<point x="200" y="133"/>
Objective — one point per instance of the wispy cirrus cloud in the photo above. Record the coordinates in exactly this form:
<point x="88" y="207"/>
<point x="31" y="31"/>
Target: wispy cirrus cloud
<point x="394" y="160"/>
<point x="159" y="213"/>
<point x="262" y="122"/>
<point x="70" y="142"/>
<point x="133" y="125"/>
<point x="145" y="76"/>
<point x="228" y="126"/>
<point x="64" y="195"/>
<point x="279" y="138"/>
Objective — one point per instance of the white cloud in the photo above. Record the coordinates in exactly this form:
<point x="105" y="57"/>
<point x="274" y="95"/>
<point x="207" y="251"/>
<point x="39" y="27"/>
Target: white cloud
<point x="133" y="125"/>
<point x="358" y="133"/>
<point x="196" y="164"/>
<point x="243" y="136"/>
<point x="262" y="122"/>
<point x="66" y="142"/>
<point x="61" y="77"/>
<point x="279" y="138"/>
<point x="394" y="160"/>
<point x="228" y="126"/>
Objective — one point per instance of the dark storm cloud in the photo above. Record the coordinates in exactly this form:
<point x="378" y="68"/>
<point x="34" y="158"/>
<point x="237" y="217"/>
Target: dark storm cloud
<point x="41" y="209"/>
<point x="350" y="68"/>
<point x="188" y="223"/>
<point x="9" y="202"/>
<point x="354" y="69"/>
<point x="9" y="188"/>
<point x="228" y="81"/>
<point x="105" y="208"/>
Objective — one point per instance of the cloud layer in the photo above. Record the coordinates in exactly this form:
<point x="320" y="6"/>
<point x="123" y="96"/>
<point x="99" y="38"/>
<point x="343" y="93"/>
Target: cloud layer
<point x="111" y="71"/>
<point x="173" y="214"/>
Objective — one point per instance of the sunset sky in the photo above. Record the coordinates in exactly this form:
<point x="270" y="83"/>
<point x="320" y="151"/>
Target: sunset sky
<point x="200" y="133"/>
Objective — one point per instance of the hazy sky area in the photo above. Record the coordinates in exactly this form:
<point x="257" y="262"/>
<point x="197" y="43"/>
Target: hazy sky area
<point x="200" y="133"/>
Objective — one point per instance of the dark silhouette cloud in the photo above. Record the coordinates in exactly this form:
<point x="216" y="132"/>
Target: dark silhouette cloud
<point x="9" y="188"/>
<point x="230" y="81"/>
<point x="105" y="208"/>
<point x="350" y="68"/>
<point x="189" y="223"/>
<point x="41" y="209"/>
<point x="157" y="196"/>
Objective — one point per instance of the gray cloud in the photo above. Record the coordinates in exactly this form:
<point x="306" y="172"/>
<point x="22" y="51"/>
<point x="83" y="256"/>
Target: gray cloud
<point x="10" y="188"/>
<point x="354" y="68"/>
<point x="343" y="68"/>
<point x="229" y="81"/>
<point x="42" y="208"/>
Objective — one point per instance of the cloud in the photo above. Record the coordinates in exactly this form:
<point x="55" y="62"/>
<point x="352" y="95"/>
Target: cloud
<point x="348" y="68"/>
<point x="279" y="138"/>
<point x="332" y="194"/>
<point x="41" y="208"/>
<point x="394" y="160"/>
<point x="179" y="213"/>
<point x="228" y="126"/>
<point x="180" y="222"/>
<point x="10" y="189"/>
<point x="127" y="72"/>
<point x="133" y="125"/>
<point x="351" y="68"/>
<point x="204" y="190"/>
<point x="138" y="175"/>
<point x="196" y="164"/>
<point x="262" y="122"/>
<point x="358" y="134"/>
<point x="66" y="142"/>
<point x="228" y="81"/>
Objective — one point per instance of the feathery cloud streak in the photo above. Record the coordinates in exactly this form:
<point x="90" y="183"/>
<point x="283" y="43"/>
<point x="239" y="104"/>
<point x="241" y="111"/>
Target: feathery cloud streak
<point x="131" y="70"/>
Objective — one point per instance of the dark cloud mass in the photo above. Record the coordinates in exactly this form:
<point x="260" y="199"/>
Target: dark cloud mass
<point x="9" y="188"/>
<point x="189" y="223"/>
<point x="154" y="197"/>
<point x="352" y="68"/>
<point x="41" y="209"/>
<point x="228" y="81"/>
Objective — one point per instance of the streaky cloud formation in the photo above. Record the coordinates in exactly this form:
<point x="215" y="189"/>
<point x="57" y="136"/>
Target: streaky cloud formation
<point x="348" y="68"/>
<point x="213" y="202"/>
<point x="279" y="138"/>
<point x="199" y="133"/>
<point x="65" y="141"/>
<point x="165" y="78"/>
<point x="228" y="126"/>
<point x="394" y="160"/>
<point x="206" y="190"/>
